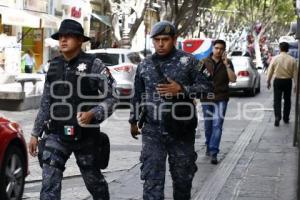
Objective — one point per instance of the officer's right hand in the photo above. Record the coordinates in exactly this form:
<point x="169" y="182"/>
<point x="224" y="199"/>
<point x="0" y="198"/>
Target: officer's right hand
<point x="33" y="146"/>
<point x="134" y="130"/>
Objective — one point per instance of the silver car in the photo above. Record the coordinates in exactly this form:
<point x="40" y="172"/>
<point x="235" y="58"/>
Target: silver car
<point x="248" y="78"/>
<point x="122" y="64"/>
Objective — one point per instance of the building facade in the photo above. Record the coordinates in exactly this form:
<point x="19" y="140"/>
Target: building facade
<point x="24" y="26"/>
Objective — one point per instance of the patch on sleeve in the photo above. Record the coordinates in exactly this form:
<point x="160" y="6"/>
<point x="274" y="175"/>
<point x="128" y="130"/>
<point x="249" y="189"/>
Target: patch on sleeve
<point x="202" y="68"/>
<point x="110" y="80"/>
<point x="200" y="65"/>
<point x="106" y="72"/>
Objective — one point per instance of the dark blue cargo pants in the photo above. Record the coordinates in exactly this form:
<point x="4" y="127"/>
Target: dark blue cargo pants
<point x="181" y="156"/>
<point x="55" y="156"/>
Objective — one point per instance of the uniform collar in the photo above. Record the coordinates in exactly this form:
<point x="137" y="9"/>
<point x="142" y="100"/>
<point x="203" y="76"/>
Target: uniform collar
<point x="75" y="58"/>
<point x="155" y="56"/>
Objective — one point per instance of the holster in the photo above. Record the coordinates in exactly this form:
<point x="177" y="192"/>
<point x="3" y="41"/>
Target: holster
<point x="42" y="142"/>
<point x="182" y="129"/>
<point x="41" y="148"/>
<point x="102" y="150"/>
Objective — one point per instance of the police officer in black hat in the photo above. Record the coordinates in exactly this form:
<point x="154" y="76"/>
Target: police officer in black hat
<point x="167" y="81"/>
<point x="73" y="105"/>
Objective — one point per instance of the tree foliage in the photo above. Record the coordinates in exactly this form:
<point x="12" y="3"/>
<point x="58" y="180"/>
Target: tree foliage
<point x="268" y="12"/>
<point x="274" y="15"/>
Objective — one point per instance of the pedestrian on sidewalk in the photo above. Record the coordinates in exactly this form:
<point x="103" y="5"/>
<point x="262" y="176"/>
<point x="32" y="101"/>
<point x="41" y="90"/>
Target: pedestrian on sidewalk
<point x="72" y="104"/>
<point x="167" y="77"/>
<point x="284" y="69"/>
<point x="29" y="60"/>
<point x="220" y="68"/>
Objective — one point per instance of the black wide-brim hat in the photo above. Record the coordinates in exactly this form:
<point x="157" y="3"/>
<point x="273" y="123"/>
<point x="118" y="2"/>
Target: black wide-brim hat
<point x="69" y="26"/>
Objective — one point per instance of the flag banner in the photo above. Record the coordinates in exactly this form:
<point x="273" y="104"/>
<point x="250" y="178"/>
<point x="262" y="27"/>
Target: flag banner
<point x="69" y="130"/>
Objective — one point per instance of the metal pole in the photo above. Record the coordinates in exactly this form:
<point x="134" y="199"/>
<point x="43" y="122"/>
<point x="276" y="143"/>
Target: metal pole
<point x="146" y="29"/>
<point x="296" y="125"/>
<point x="296" y="130"/>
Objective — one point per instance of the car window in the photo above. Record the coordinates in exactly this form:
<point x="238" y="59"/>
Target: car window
<point x="236" y="53"/>
<point x="108" y="59"/>
<point x="134" y="57"/>
<point x="252" y="65"/>
<point x="240" y="64"/>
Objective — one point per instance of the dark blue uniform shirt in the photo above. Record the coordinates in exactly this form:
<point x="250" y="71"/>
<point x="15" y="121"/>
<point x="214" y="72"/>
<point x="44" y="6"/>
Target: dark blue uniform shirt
<point x="178" y="66"/>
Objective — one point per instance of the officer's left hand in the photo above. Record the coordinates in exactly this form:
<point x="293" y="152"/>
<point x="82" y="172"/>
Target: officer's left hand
<point x="169" y="89"/>
<point x="85" y="118"/>
<point x="134" y="130"/>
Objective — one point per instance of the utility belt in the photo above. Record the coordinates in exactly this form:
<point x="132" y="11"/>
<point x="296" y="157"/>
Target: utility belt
<point x="71" y="131"/>
<point x="179" y="119"/>
<point x="101" y="147"/>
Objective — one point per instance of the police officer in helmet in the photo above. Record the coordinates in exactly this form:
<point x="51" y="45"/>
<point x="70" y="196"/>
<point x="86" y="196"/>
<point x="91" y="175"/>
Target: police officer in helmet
<point x="167" y="77"/>
<point x="73" y="105"/>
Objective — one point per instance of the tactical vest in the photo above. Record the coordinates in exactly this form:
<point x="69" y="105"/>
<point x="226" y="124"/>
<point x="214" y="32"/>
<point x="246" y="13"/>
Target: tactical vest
<point x="73" y="89"/>
<point x="183" y="127"/>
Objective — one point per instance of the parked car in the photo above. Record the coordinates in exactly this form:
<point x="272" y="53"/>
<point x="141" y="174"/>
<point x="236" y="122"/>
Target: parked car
<point x="13" y="160"/>
<point x="122" y="64"/>
<point x="248" y="78"/>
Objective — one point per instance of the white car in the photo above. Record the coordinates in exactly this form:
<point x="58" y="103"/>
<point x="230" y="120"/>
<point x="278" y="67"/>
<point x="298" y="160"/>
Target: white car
<point x="122" y="64"/>
<point x="248" y="78"/>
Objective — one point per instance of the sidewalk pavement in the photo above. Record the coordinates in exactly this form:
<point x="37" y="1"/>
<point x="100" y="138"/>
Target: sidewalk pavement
<point x="257" y="161"/>
<point x="262" y="164"/>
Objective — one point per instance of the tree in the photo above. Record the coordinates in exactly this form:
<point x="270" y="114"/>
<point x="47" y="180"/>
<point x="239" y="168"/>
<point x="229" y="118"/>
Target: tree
<point x="262" y="16"/>
<point x="182" y="13"/>
<point x="121" y="11"/>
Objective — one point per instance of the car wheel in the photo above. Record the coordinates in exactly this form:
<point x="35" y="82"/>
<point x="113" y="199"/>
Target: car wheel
<point x="12" y="175"/>
<point x="251" y="91"/>
<point x="258" y="89"/>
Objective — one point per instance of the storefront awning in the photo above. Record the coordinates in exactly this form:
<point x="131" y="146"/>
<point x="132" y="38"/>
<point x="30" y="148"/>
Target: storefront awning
<point x="104" y="19"/>
<point x="16" y="17"/>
